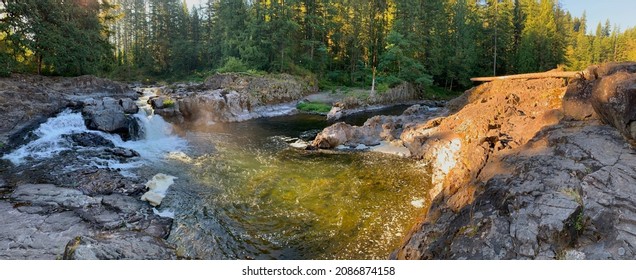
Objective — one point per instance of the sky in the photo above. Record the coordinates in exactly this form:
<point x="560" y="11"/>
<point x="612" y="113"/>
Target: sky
<point x="619" y="12"/>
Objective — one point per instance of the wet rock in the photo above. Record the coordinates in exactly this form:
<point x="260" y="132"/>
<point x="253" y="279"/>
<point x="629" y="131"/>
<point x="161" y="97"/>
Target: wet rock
<point x="100" y="217"/>
<point x="614" y="99"/>
<point x="309" y="135"/>
<point x="28" y="100"/>
<point x="95" y="181"/>
<point x="118" y="246"/>
<point x="129" y="106"/>
<point x="86" y="139"/>
<point x="157" y="102"/>
<point x="123" y="152"/>
<point x="124" y="204"/>
<point x="375" y="129"/>
<point x="107" y="115"/>
<point x="52" y="196"/>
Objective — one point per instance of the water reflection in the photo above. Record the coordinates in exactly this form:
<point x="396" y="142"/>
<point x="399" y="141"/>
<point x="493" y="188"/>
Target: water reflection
<point x="246" y="195"/>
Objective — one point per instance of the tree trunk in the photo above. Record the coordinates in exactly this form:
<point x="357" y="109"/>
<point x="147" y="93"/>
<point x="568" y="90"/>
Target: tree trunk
<point x="551" y="74"/>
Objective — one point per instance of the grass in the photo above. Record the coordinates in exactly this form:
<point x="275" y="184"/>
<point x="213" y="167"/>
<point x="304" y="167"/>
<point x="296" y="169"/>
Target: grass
<point x="439" y="93"/>
<point x="316" y="107"/>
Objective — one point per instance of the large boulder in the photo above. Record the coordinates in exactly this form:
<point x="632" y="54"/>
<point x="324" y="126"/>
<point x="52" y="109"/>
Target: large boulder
<point x="614" y="99"/>
<point x="109" y="115"/>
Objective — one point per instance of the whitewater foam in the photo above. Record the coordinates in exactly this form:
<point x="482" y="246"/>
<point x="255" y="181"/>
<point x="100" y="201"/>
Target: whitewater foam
<point x="158" y="141"/>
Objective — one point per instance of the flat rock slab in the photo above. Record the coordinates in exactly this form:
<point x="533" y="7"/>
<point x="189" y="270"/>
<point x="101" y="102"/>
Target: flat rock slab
<point x="52" y="196"/>
<point x="118" y="246"/>
<point x="26" y="236"/>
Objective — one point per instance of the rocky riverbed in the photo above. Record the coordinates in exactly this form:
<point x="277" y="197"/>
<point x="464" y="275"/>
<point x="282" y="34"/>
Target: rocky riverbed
<point x="525" y="169"/>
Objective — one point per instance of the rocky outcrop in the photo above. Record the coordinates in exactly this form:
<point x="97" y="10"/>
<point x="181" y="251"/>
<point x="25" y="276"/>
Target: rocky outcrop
<point x="614" y="98"/>
<point x="376" y="129"/>
<point x="519" y="174"/>
<point x="363" y="100"/>
<point x="28" y="100"/>
<point x="231" y="98"/>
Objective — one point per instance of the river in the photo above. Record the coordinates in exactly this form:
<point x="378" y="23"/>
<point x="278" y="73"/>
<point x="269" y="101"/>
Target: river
<point x="243" y="193"/>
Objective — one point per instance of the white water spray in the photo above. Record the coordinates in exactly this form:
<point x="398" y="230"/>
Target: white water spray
<point x="158" y="140"/>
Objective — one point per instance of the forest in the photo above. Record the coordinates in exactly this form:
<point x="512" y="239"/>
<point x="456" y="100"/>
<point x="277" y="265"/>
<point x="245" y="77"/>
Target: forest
<point x="340" y="42"/>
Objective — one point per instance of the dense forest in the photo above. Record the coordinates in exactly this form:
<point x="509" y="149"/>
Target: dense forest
<point x="341" y="42"/>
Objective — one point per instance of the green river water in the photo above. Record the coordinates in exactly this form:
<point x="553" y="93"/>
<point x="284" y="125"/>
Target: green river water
<point x="243" y="193"/>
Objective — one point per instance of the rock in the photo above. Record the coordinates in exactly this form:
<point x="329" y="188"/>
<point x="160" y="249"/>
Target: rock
<point x="334" y="114"/>
<point x="52" y="196"/>
<point x="333" y="136"/>
<point x="107" y="115"/>
<point x="309" y="135"/>
<point x="123" y="152"/>
<point x="86" y="139"/>
<point x="118" y="246"/>
<point x="28" y="100"/>
<point x="26" y="236"/>
<point x="130" y="107"/>
<point x="577" y="101"/>
<point x="124" y="204"/>
<point x="614" y="99"/>
<point x="157" y="188"/>
<point x="374" y="130"/>
<point x="157" y="102"/>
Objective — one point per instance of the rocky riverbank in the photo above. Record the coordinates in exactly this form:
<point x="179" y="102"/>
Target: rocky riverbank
<point x="58" y="195"/>
<point x="529" y="169"/>
<point x="231" y="98"/>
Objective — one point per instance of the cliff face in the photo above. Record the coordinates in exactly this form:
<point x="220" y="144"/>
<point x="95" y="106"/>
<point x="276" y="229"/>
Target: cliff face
<point x="531" y="169"/>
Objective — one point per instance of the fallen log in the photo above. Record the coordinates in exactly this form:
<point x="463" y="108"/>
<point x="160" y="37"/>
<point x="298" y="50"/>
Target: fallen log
<point x="542" y="75"/>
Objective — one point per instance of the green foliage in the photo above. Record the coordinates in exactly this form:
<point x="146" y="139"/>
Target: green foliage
<point x="439" y="93"/>
<point x="340" y="43"/>
<point x="168" y="103"/>
<point x="316" y="107"/>
<point x="233" y="64"/>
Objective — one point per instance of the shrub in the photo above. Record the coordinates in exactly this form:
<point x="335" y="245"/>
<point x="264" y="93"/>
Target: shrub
<point x="317" y="107"/>
<point x="233" y="64"/>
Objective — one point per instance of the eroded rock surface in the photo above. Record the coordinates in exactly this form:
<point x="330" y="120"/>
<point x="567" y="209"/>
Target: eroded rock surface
<point x="231" y="98"/>
<point x="41" y="219"/>
<point x="519" y="174"/>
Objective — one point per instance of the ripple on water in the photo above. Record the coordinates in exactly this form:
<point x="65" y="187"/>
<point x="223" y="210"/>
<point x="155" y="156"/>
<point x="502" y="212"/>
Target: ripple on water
<point x="279" y="203"/>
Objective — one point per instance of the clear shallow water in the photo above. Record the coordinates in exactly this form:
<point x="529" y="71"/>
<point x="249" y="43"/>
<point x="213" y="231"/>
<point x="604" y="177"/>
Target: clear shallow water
<point x="244" y="194"/>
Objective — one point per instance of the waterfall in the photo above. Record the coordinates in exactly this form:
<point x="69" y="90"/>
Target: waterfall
<point x="155" y="140"/>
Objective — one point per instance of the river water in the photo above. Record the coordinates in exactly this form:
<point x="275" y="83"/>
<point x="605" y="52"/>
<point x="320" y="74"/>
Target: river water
<point x="243" y="193"/>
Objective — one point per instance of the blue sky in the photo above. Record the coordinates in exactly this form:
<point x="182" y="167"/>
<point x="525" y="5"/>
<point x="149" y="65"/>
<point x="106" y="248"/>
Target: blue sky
<point x="619" y="12"/>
